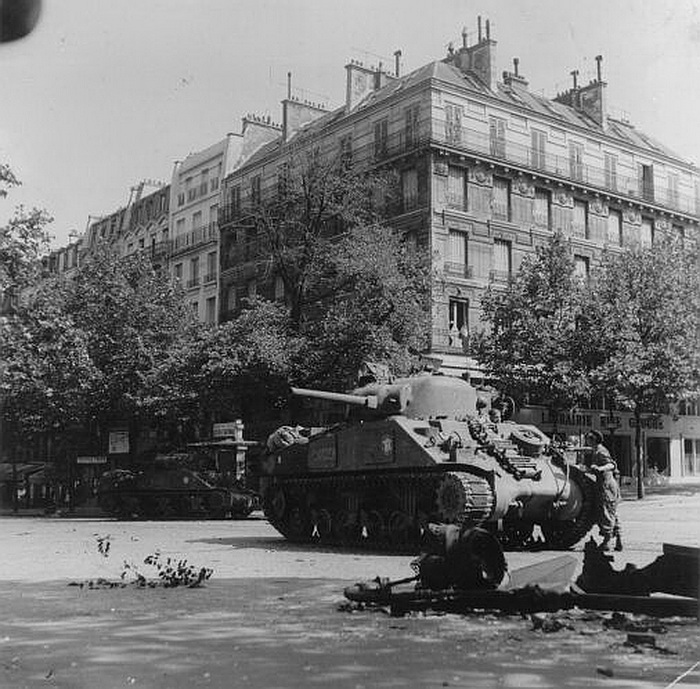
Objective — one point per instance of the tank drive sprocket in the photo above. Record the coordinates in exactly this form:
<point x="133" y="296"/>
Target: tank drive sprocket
<point x="462" y="497"/>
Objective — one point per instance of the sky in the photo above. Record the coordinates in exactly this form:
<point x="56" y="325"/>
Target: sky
<point x="106" y="93"/>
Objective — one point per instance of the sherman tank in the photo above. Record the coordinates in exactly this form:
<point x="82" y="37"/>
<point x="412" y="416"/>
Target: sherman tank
<point x="422" y="449"/>
<point x="170" y="487"/>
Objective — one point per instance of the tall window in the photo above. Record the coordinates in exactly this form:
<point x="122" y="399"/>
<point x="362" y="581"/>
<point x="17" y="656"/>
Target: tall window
<point x="646" y="234"/>
<point x="582" y="268"/>
<point x="210" y="310"/>
<point x="678" y="232"/>
<point x="213" y="216"/>
<point x="255" y="190"/>
<point x="457" y="253"/>
<point x="611" y="171"/>
<point x="214" y="182"/>
<point x="576" y="161"/>
<point x="411" y="125"/>
<point x="381" y="138"/>
<point x="502" y="258"/>
<point x="615" y="227"/>
<point x="539" y="140"/>
<point x="500" y="199"/>
<point x="673" y="189"/>
<point x="497" y="137"/>
<point x="645" y="174"/>
<point x="204" y="182"/>
<point x="453" y="123"/>
<point x="279" y="288"/>
<point x="579" y="221"/>
<point x="691" y="452"/>
<point x="235" y="199"/>
<point x="457" y="188"/>
<point x="459" y="324"/>
<point x="194" y="272"/>
<point x="542" y="208"/>
<point x="196" y="220"/>
<point x="409" y="189"/>
<point x="177" y="272"/>
<point x="211" y="267"/>
<point x="346" y="150"/>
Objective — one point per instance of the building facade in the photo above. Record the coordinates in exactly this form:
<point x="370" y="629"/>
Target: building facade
<point x="194" y="223"/>
<point x="147" y="228"/>
<point x="488" y="170"/>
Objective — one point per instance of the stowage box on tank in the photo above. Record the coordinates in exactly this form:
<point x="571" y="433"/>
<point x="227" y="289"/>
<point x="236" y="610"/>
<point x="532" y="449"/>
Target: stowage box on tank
<point x="418" y="451"/>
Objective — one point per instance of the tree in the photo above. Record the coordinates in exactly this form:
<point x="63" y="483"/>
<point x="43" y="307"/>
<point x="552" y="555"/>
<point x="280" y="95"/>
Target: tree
<point x="316" y="200"/>
<point x="642" y="327"/>
<point x="234" y="370"/>
<point x="132" y="316"/>
<point x="48" y="374"/>
<point x="80" y="353"/>
<point x="22" y="243"/>
<point x="354" y="289"/>
<point x="531" y="343"/>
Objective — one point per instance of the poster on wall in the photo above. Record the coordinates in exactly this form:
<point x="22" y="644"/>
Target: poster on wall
<point x="118" y="442"/>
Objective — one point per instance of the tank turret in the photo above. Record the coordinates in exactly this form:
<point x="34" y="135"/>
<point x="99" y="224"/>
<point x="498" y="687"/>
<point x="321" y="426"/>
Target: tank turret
<point x="422" y="449"/>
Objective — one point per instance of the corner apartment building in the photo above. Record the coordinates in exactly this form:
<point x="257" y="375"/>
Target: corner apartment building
<point x="489" y="170"/>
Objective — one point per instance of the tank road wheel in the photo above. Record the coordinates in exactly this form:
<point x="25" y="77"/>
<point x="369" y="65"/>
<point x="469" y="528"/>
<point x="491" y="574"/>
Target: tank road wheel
<point x="463" y="498"/>
<point x="373" y="523"/>
<point x="324" y="525"/>
<point x="563" y="534"/>
<point x="345" y="526"/>
<point x="401" y="528"/>
<point x="276" y="503"/>
<point x="164" y="507"/>
<point x="299" y="526"/>
<point x="215" y="505"/>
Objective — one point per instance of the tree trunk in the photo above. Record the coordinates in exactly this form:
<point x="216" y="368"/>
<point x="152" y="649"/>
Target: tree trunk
<point x="638" y="451"/>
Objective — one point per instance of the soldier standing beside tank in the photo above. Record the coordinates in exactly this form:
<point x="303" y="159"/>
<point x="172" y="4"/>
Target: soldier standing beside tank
<point x="605" y="469"/>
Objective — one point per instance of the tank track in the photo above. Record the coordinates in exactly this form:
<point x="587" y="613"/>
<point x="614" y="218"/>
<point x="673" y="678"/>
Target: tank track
<point x="351" y="510"/>
<point x="165" y="505"/>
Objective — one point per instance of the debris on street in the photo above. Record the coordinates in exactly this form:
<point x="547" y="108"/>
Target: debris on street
<point x="460" y="572"/>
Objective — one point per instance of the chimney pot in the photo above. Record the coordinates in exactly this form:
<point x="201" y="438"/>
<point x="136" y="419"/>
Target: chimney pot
<point x="599" y="59"/>
<point x="516" y="62"/>
<point x="574" y="74"/>
<point x="478" y="21"/>
<point x="464" y="37"/>
<point x="488" y="30"/>
<point x="397" y="63"/>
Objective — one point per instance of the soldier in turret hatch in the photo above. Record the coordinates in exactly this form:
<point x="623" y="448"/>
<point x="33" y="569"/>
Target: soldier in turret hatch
<point x="603" y="465"/>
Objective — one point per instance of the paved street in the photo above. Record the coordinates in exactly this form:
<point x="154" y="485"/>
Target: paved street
<point x="269" y="615"/>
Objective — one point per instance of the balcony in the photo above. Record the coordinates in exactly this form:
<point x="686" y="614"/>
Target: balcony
<point x="469" y="140"/>
<point x="193" y="282"/>
<point x="199" y="236"/>
<point x="209" y="277"/>
<point x="459" y="270"/>
<point x="500" y="275"/>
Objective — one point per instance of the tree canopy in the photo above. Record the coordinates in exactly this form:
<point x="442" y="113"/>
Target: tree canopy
<point x="354" y="288"/>
<point x="531" y="343"/>
<point x="80" y="351"/>
<point x="23" y="240"/>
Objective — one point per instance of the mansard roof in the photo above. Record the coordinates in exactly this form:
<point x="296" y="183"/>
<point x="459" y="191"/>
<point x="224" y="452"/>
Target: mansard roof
<point x="511" y="95"/>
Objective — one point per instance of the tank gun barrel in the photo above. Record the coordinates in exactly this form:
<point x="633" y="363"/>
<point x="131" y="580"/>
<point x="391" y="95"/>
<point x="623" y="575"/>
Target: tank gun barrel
<point x="369" y="401"/>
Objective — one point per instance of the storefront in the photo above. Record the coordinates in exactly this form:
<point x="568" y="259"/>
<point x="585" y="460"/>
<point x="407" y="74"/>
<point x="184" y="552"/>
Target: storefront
<point x="670" y="444"/>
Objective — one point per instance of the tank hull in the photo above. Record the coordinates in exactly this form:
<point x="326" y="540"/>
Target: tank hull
<point x="377" y="485"/>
